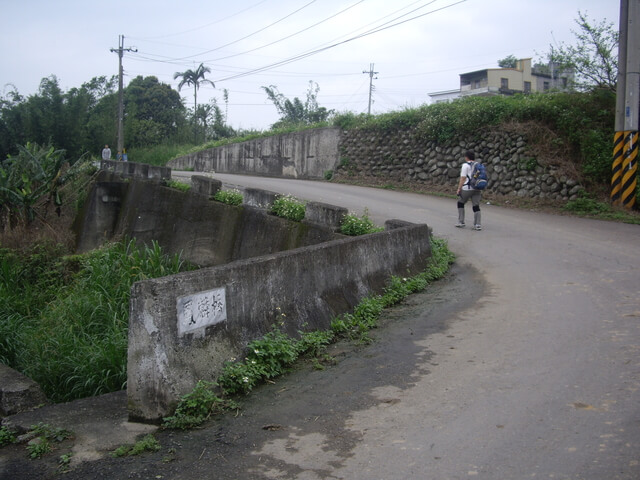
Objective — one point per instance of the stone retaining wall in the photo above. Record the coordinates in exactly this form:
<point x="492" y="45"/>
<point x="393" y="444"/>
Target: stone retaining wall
<point x="405" y="158"/>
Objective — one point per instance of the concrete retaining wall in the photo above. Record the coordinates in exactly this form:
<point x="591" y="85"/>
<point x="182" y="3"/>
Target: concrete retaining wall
<point x="204" y="231"/>
<point x="305" y="154"/>
<point x="184" y="327"/>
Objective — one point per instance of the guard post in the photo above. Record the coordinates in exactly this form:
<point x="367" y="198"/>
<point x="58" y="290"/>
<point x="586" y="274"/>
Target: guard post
<point x="625" y="143"/>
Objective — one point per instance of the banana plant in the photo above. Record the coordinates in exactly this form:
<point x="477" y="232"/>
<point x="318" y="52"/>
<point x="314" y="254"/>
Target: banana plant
<point x="26" y="179"/>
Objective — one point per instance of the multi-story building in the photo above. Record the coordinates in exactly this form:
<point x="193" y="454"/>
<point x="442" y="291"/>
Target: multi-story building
<point x="507" y="81"/>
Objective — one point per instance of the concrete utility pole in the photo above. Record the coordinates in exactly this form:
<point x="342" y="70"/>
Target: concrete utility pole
<point x="120" y="50"/>
<point x="371" y="87"/>
<point x="625" y="143"/>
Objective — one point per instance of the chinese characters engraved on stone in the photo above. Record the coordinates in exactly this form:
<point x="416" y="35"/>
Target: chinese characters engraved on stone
<point x="200" y="310"/>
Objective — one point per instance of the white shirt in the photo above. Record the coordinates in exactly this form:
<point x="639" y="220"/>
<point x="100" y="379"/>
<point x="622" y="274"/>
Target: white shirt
<point x="465" y="171"/>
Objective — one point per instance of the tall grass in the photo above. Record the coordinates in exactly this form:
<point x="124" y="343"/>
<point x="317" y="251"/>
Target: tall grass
<point x="68" y="329"/>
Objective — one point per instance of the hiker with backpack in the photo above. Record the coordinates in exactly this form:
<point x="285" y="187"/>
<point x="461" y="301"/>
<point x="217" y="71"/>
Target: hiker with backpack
<point x="473" y="179"/>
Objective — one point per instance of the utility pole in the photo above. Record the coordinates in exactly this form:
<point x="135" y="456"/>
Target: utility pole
<point x="625" y="142"/>
<point x="371" y="87"/>
<point x="120" y="51"/>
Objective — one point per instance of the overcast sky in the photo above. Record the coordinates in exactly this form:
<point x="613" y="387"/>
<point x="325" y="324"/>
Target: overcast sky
<point x="417" y="47"/>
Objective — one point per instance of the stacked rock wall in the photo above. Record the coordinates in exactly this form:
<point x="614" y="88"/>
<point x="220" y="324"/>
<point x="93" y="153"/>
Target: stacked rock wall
<point x="405" y="158"/>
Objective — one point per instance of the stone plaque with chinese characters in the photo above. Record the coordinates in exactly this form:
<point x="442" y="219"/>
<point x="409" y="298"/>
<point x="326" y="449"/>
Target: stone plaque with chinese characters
<point x="200" y="310"/>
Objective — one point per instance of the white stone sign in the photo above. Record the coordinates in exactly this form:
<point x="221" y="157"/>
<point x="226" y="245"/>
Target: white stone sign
<point x="200" y="310"/>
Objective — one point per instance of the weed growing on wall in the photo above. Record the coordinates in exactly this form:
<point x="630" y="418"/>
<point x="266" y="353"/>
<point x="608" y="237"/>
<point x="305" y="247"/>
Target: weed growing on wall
<point x="148" y="443"/>
<point x="230" y="197"/>
<point x="197" y="406"/>
<point x="7" y="436"/>
<point x="353" y="225"/>
<point x="275" y="352"/>
<point x="289" y="207"/>
<point x="183" y="187"/>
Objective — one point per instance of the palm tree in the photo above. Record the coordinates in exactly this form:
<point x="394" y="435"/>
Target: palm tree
<point x="195" y="78"/>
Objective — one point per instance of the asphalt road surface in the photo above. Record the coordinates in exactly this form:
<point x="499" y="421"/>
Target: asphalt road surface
<point x="539" y="378"/>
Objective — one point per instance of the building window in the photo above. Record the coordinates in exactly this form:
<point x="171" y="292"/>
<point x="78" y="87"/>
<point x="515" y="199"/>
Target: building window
<point x="477" y="84"/>
<point x="545" y="86"/>
<point x="527" y="87"/>
<point x="504" y="83"/>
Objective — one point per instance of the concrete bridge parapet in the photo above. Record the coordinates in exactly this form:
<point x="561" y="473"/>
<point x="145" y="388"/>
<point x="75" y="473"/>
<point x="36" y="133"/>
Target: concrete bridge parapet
<point x="140" y="171"/>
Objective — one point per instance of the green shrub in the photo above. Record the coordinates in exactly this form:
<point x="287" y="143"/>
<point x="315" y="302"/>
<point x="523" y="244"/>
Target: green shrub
<point x="287" y="206"/>
<point x="230" y="197"/>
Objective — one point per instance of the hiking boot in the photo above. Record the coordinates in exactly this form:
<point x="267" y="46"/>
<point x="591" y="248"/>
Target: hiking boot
<point x="460" y="224"/>
<point x="477" y="227"/>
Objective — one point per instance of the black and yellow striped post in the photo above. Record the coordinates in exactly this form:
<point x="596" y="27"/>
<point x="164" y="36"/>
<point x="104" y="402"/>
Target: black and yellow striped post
<point x="629" y="170"/>
<point x="625" y="145"/>
<point x="616" y="177"/>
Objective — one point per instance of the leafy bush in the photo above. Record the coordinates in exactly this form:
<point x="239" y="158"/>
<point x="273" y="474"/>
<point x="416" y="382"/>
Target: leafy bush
<point x="286" y="206"/>
<point x="230" y="197"/>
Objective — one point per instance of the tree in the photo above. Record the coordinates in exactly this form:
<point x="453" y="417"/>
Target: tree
<point x="294" y="112"/>
<point x="195" y="78"/>
<point x="508" y="62"/>
<point x="594" y="58"/>
<point x="155" y="111"/>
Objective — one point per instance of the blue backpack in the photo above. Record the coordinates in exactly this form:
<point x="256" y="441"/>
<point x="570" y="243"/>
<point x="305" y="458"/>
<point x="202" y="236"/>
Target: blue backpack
<point x="478" y="176"/>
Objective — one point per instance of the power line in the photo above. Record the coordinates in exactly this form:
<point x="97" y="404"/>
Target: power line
<point x="247" y="36"/>
<point x="314" y="52"/>
<point x="202" y="26"/>
<point x="292" y="35"/>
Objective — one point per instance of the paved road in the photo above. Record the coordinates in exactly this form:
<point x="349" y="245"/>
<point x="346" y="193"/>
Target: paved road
<point x="538" y="379"/>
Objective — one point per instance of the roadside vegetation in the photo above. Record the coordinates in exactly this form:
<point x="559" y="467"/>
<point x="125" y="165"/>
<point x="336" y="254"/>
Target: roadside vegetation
<point x="64" y="318"/>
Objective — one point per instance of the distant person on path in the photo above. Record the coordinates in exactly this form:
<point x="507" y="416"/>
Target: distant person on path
<point x="106" y="153"/>
<point x="465" y="192"/>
